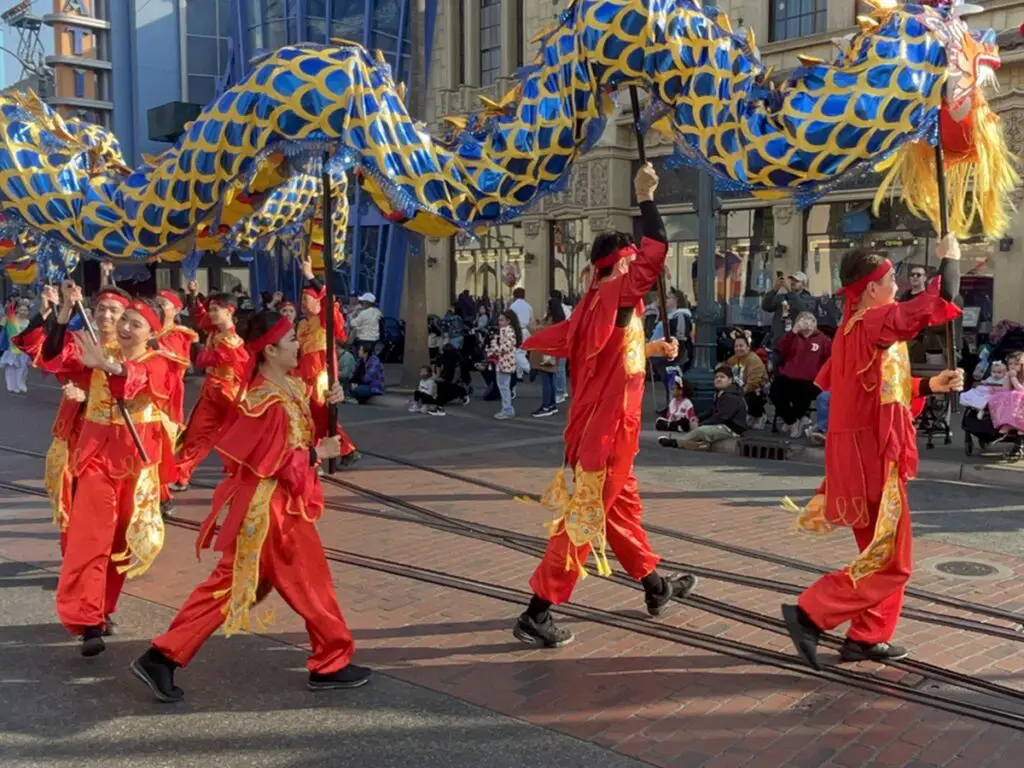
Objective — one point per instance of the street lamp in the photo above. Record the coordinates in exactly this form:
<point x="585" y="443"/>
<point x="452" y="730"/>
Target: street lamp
<point x="702" y="374"/>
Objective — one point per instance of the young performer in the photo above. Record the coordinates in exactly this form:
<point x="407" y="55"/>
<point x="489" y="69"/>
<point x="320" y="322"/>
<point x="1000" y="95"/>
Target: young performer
<point x="224" y="358"/>
<point x="870" y="453"/>
<point x="312" y="334"/>
<point x="272" y="500"/>
<point x="58" y="477"/>
<point x="115" y="530"/>
<point x="604" y="342"/>
<point x="176" y="343"/>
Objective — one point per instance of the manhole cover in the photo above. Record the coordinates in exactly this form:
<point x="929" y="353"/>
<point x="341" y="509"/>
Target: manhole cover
<point x="970" y="569"/>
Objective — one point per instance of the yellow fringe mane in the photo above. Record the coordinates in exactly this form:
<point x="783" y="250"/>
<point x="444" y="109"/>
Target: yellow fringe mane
<point x="978" y="185"/>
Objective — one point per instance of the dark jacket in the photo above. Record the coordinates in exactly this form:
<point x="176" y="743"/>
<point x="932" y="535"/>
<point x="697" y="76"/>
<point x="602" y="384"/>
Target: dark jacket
<point x="798" y="302"/>
<point x="730" y="409"/>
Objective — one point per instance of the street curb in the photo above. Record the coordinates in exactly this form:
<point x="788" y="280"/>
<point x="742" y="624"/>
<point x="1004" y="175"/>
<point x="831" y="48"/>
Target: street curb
<point x="953" y="471"/>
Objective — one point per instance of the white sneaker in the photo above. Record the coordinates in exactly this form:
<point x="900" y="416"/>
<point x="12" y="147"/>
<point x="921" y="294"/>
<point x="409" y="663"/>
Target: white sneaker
<point x="796" y="430"/>
<point x="502" y="415"/>
<point x="416" y="408"/>
<point x="559" y="399"/>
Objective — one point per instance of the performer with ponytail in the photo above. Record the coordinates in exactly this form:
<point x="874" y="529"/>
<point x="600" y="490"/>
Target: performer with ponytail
<point x="224" y="358"/>
<point x="870" y="454"/>
<point x="312" y="334"/>
<point x="268" y="538"/>
<point x="176" y="343"/>
<point x="114" y="530"/>
<point x="59" y="481"/>
<point x="604" y="342"/>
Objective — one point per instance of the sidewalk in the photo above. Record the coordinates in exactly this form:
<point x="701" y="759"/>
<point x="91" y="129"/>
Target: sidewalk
<point x="942" y="462"/>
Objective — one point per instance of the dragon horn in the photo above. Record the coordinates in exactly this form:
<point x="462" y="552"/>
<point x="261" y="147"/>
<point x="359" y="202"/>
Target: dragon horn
<point x="751" y="39"/>
<point x="456" y="122"/>
<point x="867" y="24"/>
<point x="401" y="92"/>
<point x="344" y="41"/>
<point x="809" y="61"/>
<point x="539" y="37"/>
<point x="379" y="54"/>
<point x="724" y="23"/>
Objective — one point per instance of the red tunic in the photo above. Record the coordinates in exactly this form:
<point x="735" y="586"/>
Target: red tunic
<point x="608" y="363"/>
<point x="312" y="335"/>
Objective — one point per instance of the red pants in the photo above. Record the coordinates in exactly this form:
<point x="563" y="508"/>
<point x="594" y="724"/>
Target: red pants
<point x="292" y="562"/>
<point x="204" y="426"/>
<point x="626" y="537"/>
<point x="347" y="446"/>
<point x="89" y="584"/>
<point x="873" y="604"/>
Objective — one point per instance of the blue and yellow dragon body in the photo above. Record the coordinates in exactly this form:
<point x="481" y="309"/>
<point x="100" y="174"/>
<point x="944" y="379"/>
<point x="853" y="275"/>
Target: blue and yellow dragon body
<point x="248" y="170"/>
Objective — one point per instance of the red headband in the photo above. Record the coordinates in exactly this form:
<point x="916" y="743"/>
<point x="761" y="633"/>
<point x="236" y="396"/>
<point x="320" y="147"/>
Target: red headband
<point x="854" y="290"/>
<point x="228" y="307"/>
<point x="276" y="332"/>
<point x="112" y="296"/>
<point x="285" y="304"/>
<point x="147" y="313"/>
<point x="318" y="295"/>
<point x="612" y="258"/>
<point x="172" y="297"/>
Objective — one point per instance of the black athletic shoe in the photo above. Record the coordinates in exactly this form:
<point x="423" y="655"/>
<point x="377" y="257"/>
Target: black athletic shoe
<point x="352" y="676"/>
<point x="803" y="632"/>
<point x="852" y="650"/>
<point x="157" y="672"/>
<point x="674" y="585"/>
<point x="92" y="641"/>
<point x="545" y="634"/>
<point x="349" y="459"/>
<point x="110" y="627"/>
<point x="668" y="442"/>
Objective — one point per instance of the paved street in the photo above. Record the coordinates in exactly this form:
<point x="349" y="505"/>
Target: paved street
<point x="432" y="613"/>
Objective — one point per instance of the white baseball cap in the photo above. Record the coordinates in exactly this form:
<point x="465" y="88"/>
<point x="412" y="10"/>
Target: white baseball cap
<point x="801" y="276"/>
<point x="368" y="297"/>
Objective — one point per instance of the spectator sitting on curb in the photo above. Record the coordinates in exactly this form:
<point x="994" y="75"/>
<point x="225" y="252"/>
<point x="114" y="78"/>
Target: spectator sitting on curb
<point x="368" y="379"/>
<point x="728" y="418"/>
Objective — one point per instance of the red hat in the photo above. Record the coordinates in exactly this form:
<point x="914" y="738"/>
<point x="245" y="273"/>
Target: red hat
<point x="147" y="313"/>
<point x="174" y="298"/>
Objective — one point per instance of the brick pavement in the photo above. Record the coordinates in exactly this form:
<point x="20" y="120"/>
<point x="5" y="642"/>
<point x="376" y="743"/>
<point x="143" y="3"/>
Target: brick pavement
<point x="662" y="702"/>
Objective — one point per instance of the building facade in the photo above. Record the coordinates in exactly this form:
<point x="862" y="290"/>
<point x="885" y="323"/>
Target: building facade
<point x="478" y="45"/>
<point x="82" y="60"/>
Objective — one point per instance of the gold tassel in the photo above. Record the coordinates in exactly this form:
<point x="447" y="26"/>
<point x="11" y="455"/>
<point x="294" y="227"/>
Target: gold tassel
<point x="810" y="519"/>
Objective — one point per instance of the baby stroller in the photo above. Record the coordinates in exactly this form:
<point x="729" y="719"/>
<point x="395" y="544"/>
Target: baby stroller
<point x="977" y="426"/>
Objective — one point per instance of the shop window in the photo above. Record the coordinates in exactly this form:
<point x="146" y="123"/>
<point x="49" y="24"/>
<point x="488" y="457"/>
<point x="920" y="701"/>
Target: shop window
<point x="483" y="266"/>
<point x="570" y="245"/>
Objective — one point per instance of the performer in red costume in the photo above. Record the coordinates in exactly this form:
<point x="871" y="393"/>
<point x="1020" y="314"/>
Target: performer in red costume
<point x="224" y="358"/>
<point x="176" y="342"/>
<point x="115" y="530"/>
<point x="58" y="476"/>
<point x="312" y="335"/>
<point x="604" y="342"/>
<point x="268" y="538"/>
<point x="870" y="454"/>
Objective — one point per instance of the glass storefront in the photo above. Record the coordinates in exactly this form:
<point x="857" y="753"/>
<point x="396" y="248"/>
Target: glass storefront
<point x="481" y="266"/>
<point x="570" y="245"/>
<point x="833" y="229"/>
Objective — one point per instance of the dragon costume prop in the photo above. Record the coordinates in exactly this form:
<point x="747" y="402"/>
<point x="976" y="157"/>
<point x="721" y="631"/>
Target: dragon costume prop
<point x="247" y="171"/>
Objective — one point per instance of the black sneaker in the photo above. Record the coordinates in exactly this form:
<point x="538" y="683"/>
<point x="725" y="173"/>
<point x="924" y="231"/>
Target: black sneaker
<point x="464" y="400"/>
<point x="668" y="442"/>
<point x="92" y="642"/>
<point x="852" y="650"/>
<point x="157" y="672"/>
<point x="674" y="585"/>
<point x="352" y="676"/>
<point x="803" y="632"/>
<point x="350" y="458"/>
<point x="543" y="413"/>
<point x="436" y="411"/>
<point x="541" y="633"/>
<point x="178" y="487"/>
<point x="110" y="627"/>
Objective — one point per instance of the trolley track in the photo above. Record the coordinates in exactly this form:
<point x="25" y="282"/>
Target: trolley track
<point x="455" y="524"/>
<point x="746" y="552"/>
<point x="733" y="648"/>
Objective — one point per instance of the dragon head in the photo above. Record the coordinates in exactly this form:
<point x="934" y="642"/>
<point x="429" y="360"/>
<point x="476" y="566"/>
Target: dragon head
<point x="972" y="55"/>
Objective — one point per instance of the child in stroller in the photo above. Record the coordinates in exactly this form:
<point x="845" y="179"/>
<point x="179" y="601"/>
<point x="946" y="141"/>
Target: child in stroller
<point x="977" y="422"/>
